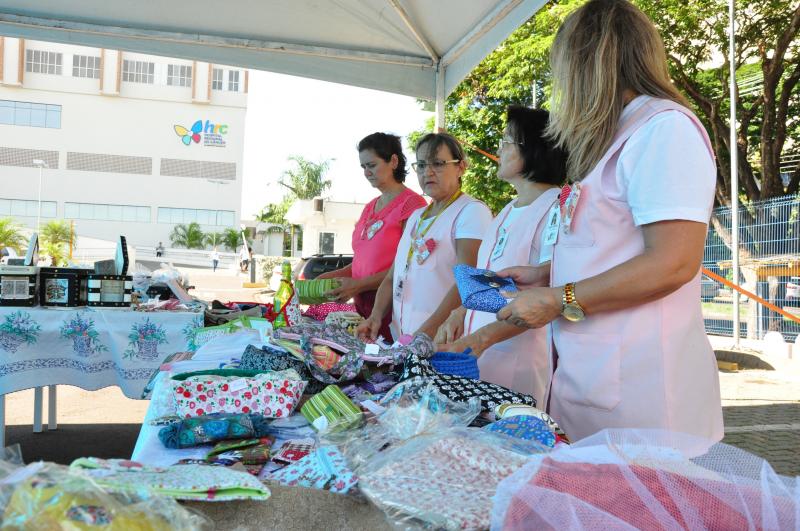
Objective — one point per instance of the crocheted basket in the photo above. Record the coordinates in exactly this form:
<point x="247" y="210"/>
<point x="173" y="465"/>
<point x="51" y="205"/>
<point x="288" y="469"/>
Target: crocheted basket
<point x="457" y="364"/>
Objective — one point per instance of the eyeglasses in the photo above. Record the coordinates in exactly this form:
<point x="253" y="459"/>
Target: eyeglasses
<point x="437" y="165"/>
<point x="503" y="142"/>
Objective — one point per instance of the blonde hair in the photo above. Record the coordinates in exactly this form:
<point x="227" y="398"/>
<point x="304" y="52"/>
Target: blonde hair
<point x="603" y="48"/>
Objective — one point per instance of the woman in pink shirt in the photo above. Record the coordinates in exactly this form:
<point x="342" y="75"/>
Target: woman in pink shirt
<point x="380" y="226"/>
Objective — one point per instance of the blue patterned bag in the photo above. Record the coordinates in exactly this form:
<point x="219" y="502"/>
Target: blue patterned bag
<point x="526" y="428"/>
<point x="480" y="288"/>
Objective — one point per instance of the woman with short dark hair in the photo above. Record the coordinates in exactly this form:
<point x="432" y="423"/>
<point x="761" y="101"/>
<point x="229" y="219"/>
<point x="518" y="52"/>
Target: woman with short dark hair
<point x="380" y="226"/>
<point x="508" y="355"/>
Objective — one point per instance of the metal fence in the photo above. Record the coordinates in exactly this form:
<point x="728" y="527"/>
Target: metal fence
<point x="769" y="236"/>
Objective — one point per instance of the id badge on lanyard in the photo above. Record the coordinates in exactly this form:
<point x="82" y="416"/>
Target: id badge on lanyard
<point x="500" y="246"/>
<point x="550" y="234"/>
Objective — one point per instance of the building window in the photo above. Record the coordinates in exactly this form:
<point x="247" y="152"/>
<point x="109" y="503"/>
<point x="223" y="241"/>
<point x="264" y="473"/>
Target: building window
<point x="42" y="62"/>
<point x="129" y="213"/>
<point x="326" y="242"/>
<point x="86" y="66"/>
<point x="214" y="218"/>
<point x="233" y="80"/>
<point x="27" y="208"/>
<point x="179" y="75"/>
<point x="30" y="114"/>
<point x="138" y="71"/>
<point x="216" y="79"/>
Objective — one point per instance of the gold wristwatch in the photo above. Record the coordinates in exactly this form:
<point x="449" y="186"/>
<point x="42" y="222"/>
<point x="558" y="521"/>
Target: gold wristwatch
<point x="570" y="309"/>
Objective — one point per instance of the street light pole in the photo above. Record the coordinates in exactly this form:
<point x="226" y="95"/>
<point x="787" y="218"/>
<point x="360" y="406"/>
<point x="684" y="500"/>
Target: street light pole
<point x="41" y="165"/>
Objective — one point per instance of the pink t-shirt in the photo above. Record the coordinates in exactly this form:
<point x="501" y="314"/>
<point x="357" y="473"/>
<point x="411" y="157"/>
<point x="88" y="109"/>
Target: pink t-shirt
<point x="376" y="235"/>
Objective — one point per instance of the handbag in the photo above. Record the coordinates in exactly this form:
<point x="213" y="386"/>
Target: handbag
<point x="480" y="288"/>
<point x="271" y="394"/>
<point x="331" y="409"/>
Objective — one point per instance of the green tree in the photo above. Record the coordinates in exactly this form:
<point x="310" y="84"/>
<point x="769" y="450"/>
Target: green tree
<point x="695" y="37"/>
<point x="213" y="239"/>
<point x="231" y="239"/>
<point x="11" y="235"/>
<point x="189" y="236"/>
<point x="56" y="237"/>
<point x="307" y="179"/>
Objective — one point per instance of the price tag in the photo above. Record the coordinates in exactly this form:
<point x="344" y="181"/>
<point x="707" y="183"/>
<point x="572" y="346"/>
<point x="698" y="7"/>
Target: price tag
<point x="371" y="349"/>
<point x="237" y="385"/>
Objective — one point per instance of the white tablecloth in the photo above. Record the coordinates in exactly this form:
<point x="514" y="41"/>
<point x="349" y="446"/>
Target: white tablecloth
<point x="90" y="348"/>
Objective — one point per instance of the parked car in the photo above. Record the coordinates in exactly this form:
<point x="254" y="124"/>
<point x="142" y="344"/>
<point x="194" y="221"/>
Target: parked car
<point x="311" y="267"/>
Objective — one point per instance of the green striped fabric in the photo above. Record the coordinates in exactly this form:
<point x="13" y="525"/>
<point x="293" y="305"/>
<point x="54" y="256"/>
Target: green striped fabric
<point x="332" y="404"/>
<point x="313" y="291"/>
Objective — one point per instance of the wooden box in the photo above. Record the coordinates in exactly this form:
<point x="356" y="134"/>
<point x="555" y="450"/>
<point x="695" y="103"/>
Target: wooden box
<point x="111" y="290"/>
<point x="18" y="285"/>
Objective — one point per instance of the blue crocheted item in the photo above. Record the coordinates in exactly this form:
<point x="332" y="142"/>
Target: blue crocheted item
<point x="461" y="364"/>
<point x="480" y="288"/>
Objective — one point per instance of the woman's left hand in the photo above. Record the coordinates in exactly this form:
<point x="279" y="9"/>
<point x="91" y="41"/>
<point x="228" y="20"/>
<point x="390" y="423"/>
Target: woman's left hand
<point x="531" y="308"/>
<point x="348" y="288"/>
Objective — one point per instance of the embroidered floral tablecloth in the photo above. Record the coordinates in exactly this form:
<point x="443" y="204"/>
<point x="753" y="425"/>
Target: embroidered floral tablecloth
<point x="89" y="348"/>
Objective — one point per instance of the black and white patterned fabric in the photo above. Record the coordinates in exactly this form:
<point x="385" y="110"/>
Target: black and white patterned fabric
<point x="462" y="389"/>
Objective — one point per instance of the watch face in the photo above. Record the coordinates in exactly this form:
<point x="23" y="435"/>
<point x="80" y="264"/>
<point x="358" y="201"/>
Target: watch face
<point x="573" y="313"/>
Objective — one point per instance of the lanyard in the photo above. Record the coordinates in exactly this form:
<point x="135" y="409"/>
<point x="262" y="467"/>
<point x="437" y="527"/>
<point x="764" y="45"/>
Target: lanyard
<point x="415" y="237"/>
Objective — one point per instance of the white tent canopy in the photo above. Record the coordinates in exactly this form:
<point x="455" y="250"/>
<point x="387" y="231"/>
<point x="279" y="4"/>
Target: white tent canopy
<point x="420" y="48"/>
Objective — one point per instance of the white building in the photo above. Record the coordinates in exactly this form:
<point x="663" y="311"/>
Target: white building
<point x="327" y="225"/>
<point x="133" y="144"/>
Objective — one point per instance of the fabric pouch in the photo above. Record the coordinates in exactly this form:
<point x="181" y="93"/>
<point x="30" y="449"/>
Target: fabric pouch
<point x="294" y="450"/>
<point x="196" y="431"/>
<point x="245" y="451"/>
<point x="314" y="291"/>
<point x="272" y="394"/>
<point x="325" y="468"/>
<point x="480" y="288"/>
<point x="331" y="410"/>
<point x="201" y="336"/>
<point x="525" y="428"/>
<point x="268" y="358"/>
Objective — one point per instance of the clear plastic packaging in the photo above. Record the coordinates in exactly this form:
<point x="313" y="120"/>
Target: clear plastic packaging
<point x="47" y="496"/>
<point x="444" y="479"/>
<point x="646" y="479"/>
<point x="408" y="409"/>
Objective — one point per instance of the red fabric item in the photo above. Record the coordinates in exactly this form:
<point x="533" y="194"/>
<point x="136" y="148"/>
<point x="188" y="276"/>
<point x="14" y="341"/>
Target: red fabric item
<point x="320" y="311"/>
<point x="364" y="302"/>
<point x="564" y="194"/>
<point x="606" y="488"/>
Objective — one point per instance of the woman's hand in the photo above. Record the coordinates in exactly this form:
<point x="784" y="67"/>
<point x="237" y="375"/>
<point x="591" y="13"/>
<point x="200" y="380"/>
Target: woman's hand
<point x="531" y="308"/>
<point x="452" y="328"/>
<point x="368" y="329"/>
<point x="329" y="274"/>
<point x="348" y="288"/>
<point x="471" y="341"/>
<point x="526" y="277"/>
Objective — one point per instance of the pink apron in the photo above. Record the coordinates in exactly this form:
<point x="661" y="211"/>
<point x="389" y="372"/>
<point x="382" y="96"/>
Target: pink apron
<point x="521" y="363"/>
<point x="424" y="285"/>
<point x="649" y="366"/>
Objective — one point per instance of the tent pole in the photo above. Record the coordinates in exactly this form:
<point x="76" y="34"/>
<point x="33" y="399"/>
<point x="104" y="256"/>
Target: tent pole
<point x="734" y="169"/>
<point x="439" y="123"/>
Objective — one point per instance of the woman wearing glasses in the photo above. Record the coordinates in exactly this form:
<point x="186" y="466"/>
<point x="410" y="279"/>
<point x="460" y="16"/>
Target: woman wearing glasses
<point x="437" y="237"/>
<point x="624" y="306"/>
<point x="380" y="226"/>
<point x="511" y="356"/>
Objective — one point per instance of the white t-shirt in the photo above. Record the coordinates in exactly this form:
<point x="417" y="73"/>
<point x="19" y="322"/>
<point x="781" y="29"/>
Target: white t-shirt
<point x="665" y="171"/>
<point x="471" y="222"/>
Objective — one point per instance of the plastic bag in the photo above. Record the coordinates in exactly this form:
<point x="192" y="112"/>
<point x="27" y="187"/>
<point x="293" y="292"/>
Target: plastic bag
<point x="47" y="496"/>
<point x="442" y="480"/>
<point x="646" y="479"/>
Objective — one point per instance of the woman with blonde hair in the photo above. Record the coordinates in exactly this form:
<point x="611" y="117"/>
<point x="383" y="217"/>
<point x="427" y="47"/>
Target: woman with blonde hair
<point x="628" y="339"/>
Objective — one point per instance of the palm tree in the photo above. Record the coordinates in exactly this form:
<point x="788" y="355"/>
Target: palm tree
<point x="189" y="236"/>
<point x="11" y="235"/>
<point x="56" y="238"/>
<point x="231" y="239"/>
<point x="306" y="180"/>
<point x="213" y="238"/>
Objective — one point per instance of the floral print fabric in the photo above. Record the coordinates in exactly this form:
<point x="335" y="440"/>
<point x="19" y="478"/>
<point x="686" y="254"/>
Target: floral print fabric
<point x="325" y="468"/>
<point x="271" y="394"/>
